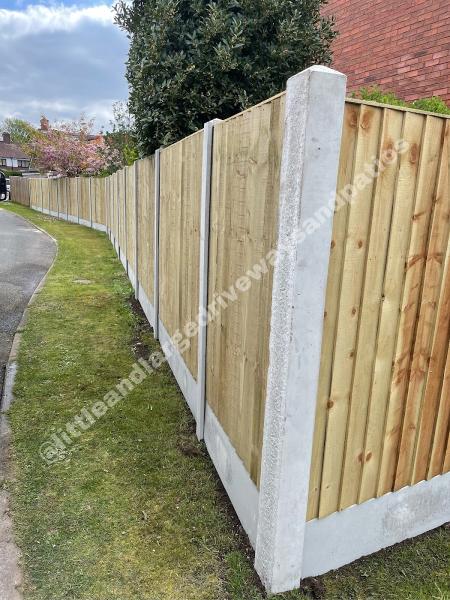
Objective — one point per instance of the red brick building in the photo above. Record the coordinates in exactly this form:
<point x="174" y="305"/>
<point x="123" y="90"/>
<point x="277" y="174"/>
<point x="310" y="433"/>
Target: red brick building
<point x="402" y="46"/>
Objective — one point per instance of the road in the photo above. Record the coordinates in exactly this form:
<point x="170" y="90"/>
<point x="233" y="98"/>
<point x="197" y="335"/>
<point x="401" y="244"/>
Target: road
<point x="26" y="254"/>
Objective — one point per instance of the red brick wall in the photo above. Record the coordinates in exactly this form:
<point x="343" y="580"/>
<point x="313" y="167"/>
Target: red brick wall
<point x="403" y="46"/>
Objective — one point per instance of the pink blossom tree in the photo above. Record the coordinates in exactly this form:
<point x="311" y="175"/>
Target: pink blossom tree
<point x="69" y="149"/>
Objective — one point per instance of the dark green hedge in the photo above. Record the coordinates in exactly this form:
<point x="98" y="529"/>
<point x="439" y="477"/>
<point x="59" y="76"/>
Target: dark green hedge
<point x="194" y="60"/>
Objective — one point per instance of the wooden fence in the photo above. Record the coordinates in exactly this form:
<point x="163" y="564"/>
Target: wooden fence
<point x="382" y="416"/>
<point x="20" y="190"/>
<point x="330" y="372"/>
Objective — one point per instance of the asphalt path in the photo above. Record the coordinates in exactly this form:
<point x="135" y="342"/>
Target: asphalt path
<point x="26" y="254"/>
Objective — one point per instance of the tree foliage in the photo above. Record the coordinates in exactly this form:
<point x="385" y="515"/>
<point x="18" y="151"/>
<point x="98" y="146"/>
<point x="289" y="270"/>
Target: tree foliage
<point x="21" y="131"/>
<point x="120" y="139"/>
<point x="68" y="150"/>
<point x="194" y="60"/>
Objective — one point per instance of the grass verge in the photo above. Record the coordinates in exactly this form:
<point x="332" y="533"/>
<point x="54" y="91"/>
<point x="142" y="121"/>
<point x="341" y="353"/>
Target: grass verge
<point x="137" y="512"/>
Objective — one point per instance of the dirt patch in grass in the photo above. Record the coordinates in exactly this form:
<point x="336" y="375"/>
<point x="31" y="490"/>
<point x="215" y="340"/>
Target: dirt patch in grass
<point x="137" y="511"/>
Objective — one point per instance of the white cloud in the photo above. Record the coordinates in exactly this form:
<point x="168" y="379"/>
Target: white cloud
<point x="39" y="19"/>
<point x="61" y="61"/>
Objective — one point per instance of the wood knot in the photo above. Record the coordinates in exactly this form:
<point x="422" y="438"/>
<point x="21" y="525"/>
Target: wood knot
<point x="360" y="243"/>
<point x="367" y="120"/>
<point x="353" y="119"/>
<point x="354" y="311"/>
<point x="414" y="154"/>
<point x="417" y="216"/>
<point x="330" y="404"/>
<point x="368" y="456"/>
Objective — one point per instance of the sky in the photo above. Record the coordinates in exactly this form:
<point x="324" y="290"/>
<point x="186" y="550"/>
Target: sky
<point x="60" y="60"/>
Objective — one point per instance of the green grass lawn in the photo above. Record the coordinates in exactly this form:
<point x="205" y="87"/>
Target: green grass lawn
<point x="137" y="511"/>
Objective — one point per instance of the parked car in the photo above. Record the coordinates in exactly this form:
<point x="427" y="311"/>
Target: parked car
<point x="3" y="187"/>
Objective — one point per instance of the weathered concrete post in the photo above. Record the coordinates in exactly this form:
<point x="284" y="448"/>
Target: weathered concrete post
<point x="208" y="133"/>
<point x="313" y="124"/>
<point x="156" y="244"/>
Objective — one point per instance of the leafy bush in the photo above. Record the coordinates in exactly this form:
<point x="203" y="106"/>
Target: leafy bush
<point x="194" y="60"/>
<point x="375" y="94"/>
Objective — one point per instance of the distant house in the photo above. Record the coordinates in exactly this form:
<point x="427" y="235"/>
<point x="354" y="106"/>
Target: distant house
<point x="12" y="157"/>
<point x="45" y="128"/>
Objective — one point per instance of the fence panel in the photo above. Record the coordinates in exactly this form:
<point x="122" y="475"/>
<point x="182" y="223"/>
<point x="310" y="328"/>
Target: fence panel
<point x="146" y="225"/>
<point x="121" y="211"/>
<point x="377" y="428"/>
<point x="100" y="200"/>
<point x="46" y="195"/>
<point x="20" y="190"/>
<point x="181" y="173"/>
<point x="35" y="192"/>
<point x="131" y="217"/>
<point x="244" y="203"/>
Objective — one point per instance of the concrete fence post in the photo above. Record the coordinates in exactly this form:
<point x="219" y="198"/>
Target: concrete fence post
<point x="312" y="136"/>
<point x="156" y="242"/>
<point x="208" y="134"/>
<point x="136" y="229"/>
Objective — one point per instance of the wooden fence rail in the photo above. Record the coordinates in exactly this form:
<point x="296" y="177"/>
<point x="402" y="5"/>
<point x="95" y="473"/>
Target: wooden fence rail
<point x="324" y="383"/>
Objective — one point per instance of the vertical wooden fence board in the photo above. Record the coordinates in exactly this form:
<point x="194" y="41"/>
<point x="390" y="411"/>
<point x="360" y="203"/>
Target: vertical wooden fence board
<point x="415" y="267"/>
<point x="181" y="171"/>
<point x="62" y="195"/>
<point x="349" y="311"/>
<point x="446" y="468"/>
<point x="170" y="232"/>
<point x="112" y="206"/>
<point x="441" y="433"/>
<point x="121" y="208"/>
<point x="73" y="200"/>
<point x="427" y="318"/>
<point x="93" y="199"/>
<point x="131" y="217"/>
<point x="400" y="233"/>
<point x="146" y="183"/>
<point x="85" y="211"/>
<point x="101" y="208"/>
<point x="46" y="196"/>
<point x="371" y="301"/>
<point x="436" y="368"/>
<point x="244" y="204"/>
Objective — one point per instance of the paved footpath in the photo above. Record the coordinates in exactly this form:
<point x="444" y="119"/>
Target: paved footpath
<point x="25" y="256"/>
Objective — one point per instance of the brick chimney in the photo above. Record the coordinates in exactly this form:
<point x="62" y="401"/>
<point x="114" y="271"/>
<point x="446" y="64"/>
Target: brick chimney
<point x="44" y="123"/>
<point x="6" y="138"/>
